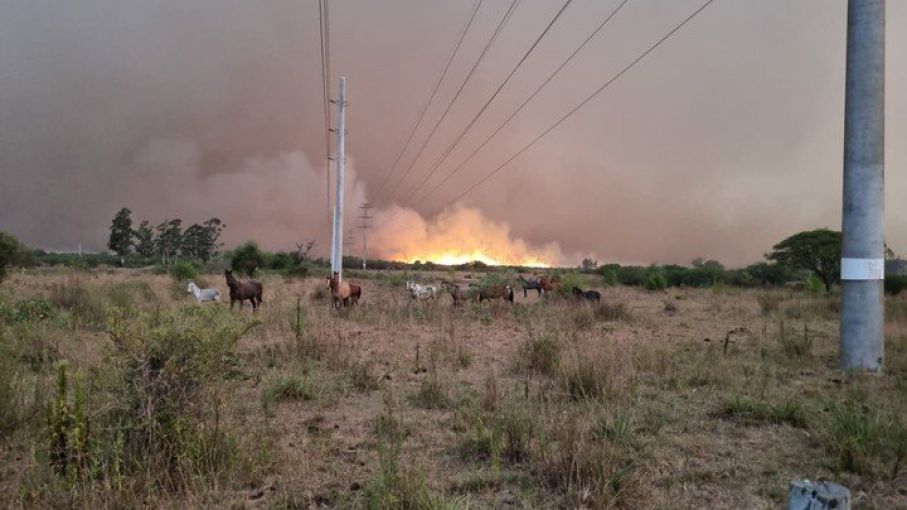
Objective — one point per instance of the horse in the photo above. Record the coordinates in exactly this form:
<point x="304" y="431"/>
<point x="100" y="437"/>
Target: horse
<point x="593" y="296"/>
<point x="496" y="292"/>
<point x="355" y="294"/>
<point x="459" y="294"/>
<point x="241" y="290"/>
<point x="202" y="294"/>
<point x="529" y="284"/>
<point x="417" y="291"/>
<point x="548" y="284"/>
<point x="343" y="293"/>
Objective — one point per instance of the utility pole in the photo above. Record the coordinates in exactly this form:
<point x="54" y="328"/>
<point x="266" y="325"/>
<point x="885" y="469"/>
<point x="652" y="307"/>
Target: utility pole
<point x="863" y="242"/>
<point x="337" y="239"/>
<point x="365" y="226"/>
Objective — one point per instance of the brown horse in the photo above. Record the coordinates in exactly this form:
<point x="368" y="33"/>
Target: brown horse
<point x="496" y="292"/>
<point x="548" y="284"/>
<point x="343" y="293"/>
<point x="459" y="294"/>
<point x="243" y="290"/>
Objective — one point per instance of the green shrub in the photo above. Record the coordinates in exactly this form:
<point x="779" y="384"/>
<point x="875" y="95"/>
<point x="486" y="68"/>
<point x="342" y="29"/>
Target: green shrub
<point x="12" y="253"/>
<point x="32" y="310"/>
<point x="183" y="270"/>
<point x="570" y="281"/>
<point x="289" y="388"/>
<point x="609" y="277"/>
<point x="300" y="271"/>
<point x="247" y="258"/>
<point x="863" y="439"/>
<point x="656" y="280"/>
<point x="154" y="408"/>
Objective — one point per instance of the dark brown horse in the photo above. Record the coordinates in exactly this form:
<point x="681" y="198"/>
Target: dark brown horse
<point x="496" y="292"/>
<point x="241" y="290"/>
<point x="592" y="296"/>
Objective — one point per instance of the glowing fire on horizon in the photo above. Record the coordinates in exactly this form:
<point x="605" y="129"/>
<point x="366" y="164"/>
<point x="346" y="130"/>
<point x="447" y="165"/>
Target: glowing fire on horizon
<point x="456" y="237"/>
<point x="454" y="258"/>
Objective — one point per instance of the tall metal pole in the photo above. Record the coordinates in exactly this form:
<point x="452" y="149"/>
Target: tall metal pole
<point x="863" y="243"/>
<point x="337" y="255"/>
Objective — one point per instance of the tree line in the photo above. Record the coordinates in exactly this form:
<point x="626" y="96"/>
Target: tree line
<point x="167" y="240"/>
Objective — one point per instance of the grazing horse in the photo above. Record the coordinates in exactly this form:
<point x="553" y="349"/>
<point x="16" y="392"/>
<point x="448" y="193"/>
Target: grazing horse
<point x="417" y="291"/>
<point x="460" y="294"/>
<point x="355" y="294"/>
<point x="241" y="290"/>
<point x="496" y="292"/>
<point x="342" y="292"/>
<point x="592" y="296"/>
<point x="548" y="284"/>
<point x="202" y="294"/>
<point x="529" y="284"/>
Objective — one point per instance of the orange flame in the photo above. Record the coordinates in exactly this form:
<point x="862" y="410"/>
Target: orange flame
<point x="458" y="236"/>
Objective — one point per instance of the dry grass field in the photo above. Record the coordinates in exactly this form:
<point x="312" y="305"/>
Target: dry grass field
<point x="117" y="390"/>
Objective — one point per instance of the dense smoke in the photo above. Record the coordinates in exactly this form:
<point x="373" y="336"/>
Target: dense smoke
<point x="725" y="140"/>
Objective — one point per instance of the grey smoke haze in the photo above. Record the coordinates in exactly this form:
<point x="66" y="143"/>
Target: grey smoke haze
<point x="726" y="139"/>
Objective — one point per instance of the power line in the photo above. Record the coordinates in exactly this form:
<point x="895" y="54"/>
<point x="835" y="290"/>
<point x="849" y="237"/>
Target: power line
<point x="585" y="101"/>
<point x="576" y="108"/>
<point x="431" y="96"/>
<point x="484" y="52"/>
<point x="472" y="122"/>
<point x="526" y="101"/>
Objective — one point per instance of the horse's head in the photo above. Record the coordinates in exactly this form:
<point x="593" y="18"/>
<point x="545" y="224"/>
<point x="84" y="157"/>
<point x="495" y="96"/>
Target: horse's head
<point x="334" y="280"/>
<point x="189" y="287"/>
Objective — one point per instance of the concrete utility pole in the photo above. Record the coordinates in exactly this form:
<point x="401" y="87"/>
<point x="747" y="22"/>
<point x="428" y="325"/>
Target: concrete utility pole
<point x="337" y="240"/>
<point x="863" y="243"/>
<point x="365" y="226"/>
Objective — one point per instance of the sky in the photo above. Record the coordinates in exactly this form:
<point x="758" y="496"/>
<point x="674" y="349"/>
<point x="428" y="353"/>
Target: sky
<point x="723" y="141"/>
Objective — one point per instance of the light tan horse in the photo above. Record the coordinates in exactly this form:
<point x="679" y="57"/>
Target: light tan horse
<point x="342" y="292"/>
<point x="548" y="284"/>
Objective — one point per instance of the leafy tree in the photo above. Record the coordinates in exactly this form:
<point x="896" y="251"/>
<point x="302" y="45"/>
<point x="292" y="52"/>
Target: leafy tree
<point x="144" y="239"/>
<point x="121" y="232"/>
<point x="169" y="240"/>
<point x="201" y="241"/>
<point x="588" y="265"/>
<point x="12" y="253"/>
<point x="816" y="250"/>
<point x="247" y="258"/>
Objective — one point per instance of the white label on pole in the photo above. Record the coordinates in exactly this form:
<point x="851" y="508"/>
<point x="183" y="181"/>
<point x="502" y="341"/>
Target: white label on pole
<point x="862" y="269"/>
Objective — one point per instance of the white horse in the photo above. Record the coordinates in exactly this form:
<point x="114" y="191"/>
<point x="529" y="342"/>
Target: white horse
<point x="203" y="294"/>
<point x="417" y="291"/>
